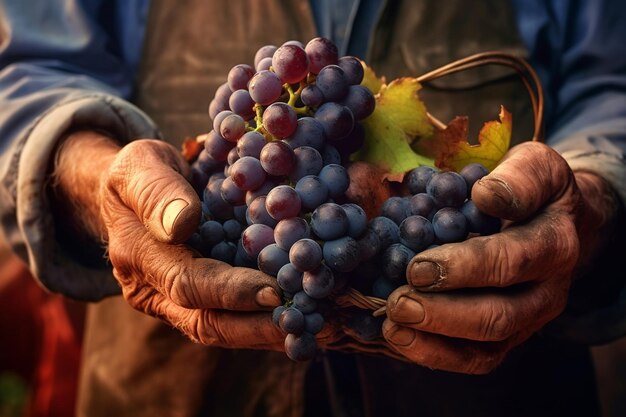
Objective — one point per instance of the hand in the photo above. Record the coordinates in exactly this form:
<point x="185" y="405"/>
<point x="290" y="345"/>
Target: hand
<point x="138" y="198"/>
<point x="469" y="303"/>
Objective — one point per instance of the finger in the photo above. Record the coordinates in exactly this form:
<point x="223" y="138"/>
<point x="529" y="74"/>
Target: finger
<point x="149" y="177"/>
<point x="545" y="247"/>
<point x="448" y="354"/>
<point x="531" y="176"/>
<point x="209" y="327"/>
<point x="483" y="315"/>
<point x="176" y="272"/>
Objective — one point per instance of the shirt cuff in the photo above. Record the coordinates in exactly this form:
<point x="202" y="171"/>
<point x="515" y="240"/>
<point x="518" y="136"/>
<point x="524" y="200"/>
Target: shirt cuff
<point x="604" y="286"/>
<point x="50" y="264"/>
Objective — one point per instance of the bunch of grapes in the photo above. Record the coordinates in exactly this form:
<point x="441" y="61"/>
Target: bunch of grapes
<point x="273" y="181"/>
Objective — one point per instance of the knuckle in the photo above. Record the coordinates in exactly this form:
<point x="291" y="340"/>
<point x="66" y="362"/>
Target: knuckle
<point x="180" y="286"/>
<point x="498" y="323"/>
<point x="208" y="330"/>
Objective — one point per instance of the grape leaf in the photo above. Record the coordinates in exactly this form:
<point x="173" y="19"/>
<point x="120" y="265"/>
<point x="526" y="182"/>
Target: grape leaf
<point x="371" y="80"/>
<point x="452" y="151"/>
<point x="399" y="117"/>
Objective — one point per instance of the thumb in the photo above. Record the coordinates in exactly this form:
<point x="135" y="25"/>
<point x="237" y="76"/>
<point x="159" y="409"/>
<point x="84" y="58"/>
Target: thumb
<point x="149" y="177"/>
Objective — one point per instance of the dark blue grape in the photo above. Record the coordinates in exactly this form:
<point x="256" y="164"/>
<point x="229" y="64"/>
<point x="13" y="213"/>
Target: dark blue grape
<point x="212" y="232"/>
<point x="289" y="278"/>
<point x="300" y="348"/>
<point x="336" y="179"/>
<point x="383" y="287"/>
<point x="479" y="222"/>
<point x="416" y="233"/>
<point x="450" y="225"/>
<point x="289" y="231"/>
<point x="276" y="315"/>
<point x="386" y="229"/>
<point x="232" y="229"/>
<point x="357" y="219"/>
<point x="472" y="173"/>
<point x="225" y="252"/>
<point x="271" y="259"/>
<point x="329" y="221"/>
<point x="395" y="260"/>
<point x="417" y="179"/>
<point x="341" y="254"/>
<point x="318" y="283"/>
<point x="292" y="321"/>
<point x="303" y="302"/>
<point x="306" y="255"/>
<point x="423" y="205"/>
<point x="313" y="323"/>
<point x="448" y="189"/>
<point x="396" y="209"/>
<point x="312" y="191"/>
<point x="369" y="244"/>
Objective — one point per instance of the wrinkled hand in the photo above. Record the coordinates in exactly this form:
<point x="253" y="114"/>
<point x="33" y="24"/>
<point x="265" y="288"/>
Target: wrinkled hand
<point x="469" y="303"/>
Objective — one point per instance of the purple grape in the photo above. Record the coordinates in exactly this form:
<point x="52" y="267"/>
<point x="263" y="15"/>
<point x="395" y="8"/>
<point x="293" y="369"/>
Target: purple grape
<point x="217" y="120"/>
<point x="336" y="179"/>
<point x="239" y="76"/>
<point x="312" y="191"/>
<point x="289" y="231"/>
<point x="277" y="158"/>
<point x="292" y="321"/>
<point x="265" y="87"/>
<point x="289" y="278"/>
<point x="416" y="233"/>
<point x="291" y="64"/>
<point x="450" y="225"/>
<point x="241" y="102"/>
<point x="280" y="120"/>
<point x="300" y="348"/>
<point x="318" y="283"/>
<point x="232" y="194"/>
<point x="448" y="189"/>
<point x="217" y="147"/>
<point x="332" y="83"/>
<point x="305" y="255"/>
<point x="337" y="120"/>
<point x="255" y="238"/>
<point x="250" y="144"/>
<point x="247" y="173"/>
<point x="308" y="161"/>
<point x="224" y="251"/>
<point x="312" y="96"/>
<point x="309" y="132"/>
<point x="283" y="202"/>
<point x="271" y="259"/>
<point x="423" y="205"/>
<point x="360" y="101"/>
<point x="352" y="69"/>
<point x="303" y="302"/>
<point x="329" y="221"/>
<point x="257" y="213"/>
<point x="232" y="127"/>
<point x="266" y="51"/>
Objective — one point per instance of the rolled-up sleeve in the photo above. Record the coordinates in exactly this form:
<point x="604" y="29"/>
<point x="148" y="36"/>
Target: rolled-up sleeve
<point x="57" y="73"/>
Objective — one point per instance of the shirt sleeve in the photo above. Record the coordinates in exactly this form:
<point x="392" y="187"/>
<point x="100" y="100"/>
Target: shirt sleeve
<point x="577" y="48"/>
<point x="59" y="70"/>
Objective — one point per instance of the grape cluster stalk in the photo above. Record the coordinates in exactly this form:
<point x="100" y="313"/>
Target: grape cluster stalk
<point x="273" y="180"/>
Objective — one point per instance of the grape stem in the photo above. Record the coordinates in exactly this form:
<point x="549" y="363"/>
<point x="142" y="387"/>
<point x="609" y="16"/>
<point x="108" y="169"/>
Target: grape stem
<point x="294" y="96"/>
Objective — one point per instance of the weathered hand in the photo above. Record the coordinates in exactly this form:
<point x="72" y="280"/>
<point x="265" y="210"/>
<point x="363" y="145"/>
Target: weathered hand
<point x="469" y="303"/>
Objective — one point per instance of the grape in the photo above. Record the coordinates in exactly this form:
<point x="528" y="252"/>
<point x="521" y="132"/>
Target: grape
<point x="417" y="179"/>
<point x="336" y="178"/>
<point x="321" y="52"/>
<point x="232" y="229"/>
<point x="370" y="244"/>
<point x="450" y="225"/>
<point x="423" y="205"/>
<point x="357" y="219"/>
<point x="247" y="173"/>
<point x="239" y="76"/>
<point x="312" y="96"/>
<point x="217" y="120"/>
<point x="341" y="254"/>
<point x="257" y="213"/>
<point x="277" y="158"/>
<point x="266" y="51"/>
<point x="292" y="321"/>
<point x="289" y="231"/>
<point x="242" y="258"/>
<point x="318" y="283"/>
<point x="280" y="120"/>
<point x="312" y="191"/>
<point x="396" y="209"/>
<point x="233" y="156"/>
<point x="352" y="69"/>
<point x="351" y="143"/>
<point x="416" y="233"/>
<point x="479" y="222"/>
<point x="231" y="193"/>
<point x="360" y="101"/>
<point x="283" y="202"/>
<point x="300" y="348"/>
<point x="207" y="164"/>
<point x="313" y="322"/>
<point x="332" y="83"/>
<point x="304" y="302"/>
<point x="250" y="144"/>
<point x="309" y="132"/>
<point x="224" y="251"/>
<point x="212" y="232"/>
<point x="448" y="189"/>
<point x="216" y="146"/>
<point x="276" y="314"/>
<point x="308" y="161"/>
<point x="337" y="120"/>
<point x="255" y="238"/>
<point x="395" y="260"/>
<point x="265" y="87"/>
<point x="294" y="42"/>
<point x="330" y="155"/>
<point x="289" y="278"/>
<point x="216" y="205"/>
<point x="291" y="64"/>
<point x="305" y="255"/>
<point x="329" y="221"/>
<point x="472" y="173"/>
<point x="271" y="259"/>
<point x="241" y="102"/>
<point x="386" y="229"/>
<point x="261" y="191"/>
<point x="264" y="65"/>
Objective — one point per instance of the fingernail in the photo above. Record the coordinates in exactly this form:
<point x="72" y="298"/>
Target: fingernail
<point x="408" y="311"/>
<point x="501" y="192"/>
<point x="425" y="273"/>
<point x="401" y="336"/>
<point x="171" y="213"/>
<point x="267" y="297"/>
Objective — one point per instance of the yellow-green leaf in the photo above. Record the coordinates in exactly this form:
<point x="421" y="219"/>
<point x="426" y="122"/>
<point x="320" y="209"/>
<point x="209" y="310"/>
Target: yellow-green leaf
<point x="371" y="80"/>
<point x="494" y="140"/>
<point x="399" y="117"/>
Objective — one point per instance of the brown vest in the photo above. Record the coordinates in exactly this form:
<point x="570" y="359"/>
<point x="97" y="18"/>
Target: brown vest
<point x="135" y="365"/>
